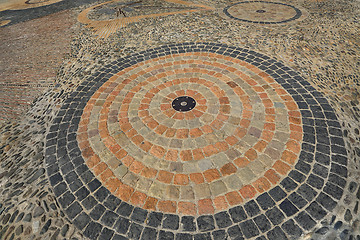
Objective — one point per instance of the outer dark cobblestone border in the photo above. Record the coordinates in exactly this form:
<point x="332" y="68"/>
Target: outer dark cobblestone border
<point x="297" y="15"/>
<point x="304" y="197"/>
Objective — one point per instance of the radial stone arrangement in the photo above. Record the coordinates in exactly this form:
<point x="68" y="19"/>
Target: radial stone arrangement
<point x="196" y="140"/>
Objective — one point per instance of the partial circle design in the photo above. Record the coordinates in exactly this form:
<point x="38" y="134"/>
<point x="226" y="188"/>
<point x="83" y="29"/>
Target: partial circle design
<point x="260" y="145"/>
<point x="116" y="14"/>
<point x="36" y="1"/>
<point x="4" y="22"/>
<point x="25" y="4"/>
<point x="263" y="12"/>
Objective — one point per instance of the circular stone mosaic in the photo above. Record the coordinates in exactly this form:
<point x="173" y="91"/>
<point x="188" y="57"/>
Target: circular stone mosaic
<point x="263" y="12"/>
<point x="198" y="138"/>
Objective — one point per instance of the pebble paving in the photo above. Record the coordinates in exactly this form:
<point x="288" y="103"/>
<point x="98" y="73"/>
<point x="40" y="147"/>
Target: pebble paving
<point x="29" y="64"/>
<point x="225" y="122"/>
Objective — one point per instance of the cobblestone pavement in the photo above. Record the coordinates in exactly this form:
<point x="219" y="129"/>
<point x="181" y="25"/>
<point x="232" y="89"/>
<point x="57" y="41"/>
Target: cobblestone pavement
<point x="189" y="120"/>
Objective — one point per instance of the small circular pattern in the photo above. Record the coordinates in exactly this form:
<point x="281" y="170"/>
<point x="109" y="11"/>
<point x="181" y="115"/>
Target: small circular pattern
<point x="183" y="103"/>
<point x="263" y="12"/>
<point x="260" y="11"/>
<point x="262" y="125"/>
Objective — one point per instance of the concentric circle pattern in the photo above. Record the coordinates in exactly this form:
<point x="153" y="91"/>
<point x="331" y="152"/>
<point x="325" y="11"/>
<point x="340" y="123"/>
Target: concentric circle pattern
<point x="256" y="140"/>
<point x="244" y="137"/>
<point x="263" y="12"/>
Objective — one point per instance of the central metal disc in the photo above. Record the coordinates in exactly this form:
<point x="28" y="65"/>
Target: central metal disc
<point x="183" y="103"/>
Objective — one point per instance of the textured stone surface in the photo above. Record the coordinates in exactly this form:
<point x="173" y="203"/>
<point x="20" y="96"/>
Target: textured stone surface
<point x="317" y="197"/>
